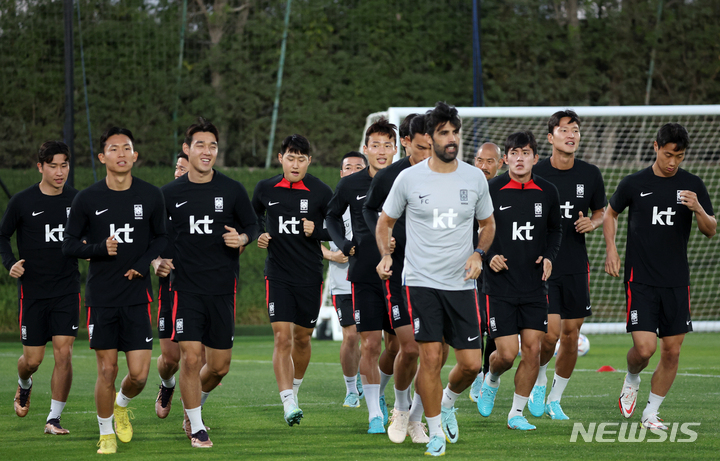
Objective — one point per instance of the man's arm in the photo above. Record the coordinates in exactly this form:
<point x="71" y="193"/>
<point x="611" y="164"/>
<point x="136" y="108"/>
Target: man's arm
<point x="334" y="221"/>
<point x="473" y="265"/>
<point x="586" y="224"/>
<point x="383" y="233"/>
<point x="8" y="225"/>
<point x="374" y="201"/>
<point x="706" y="224"/>
<point x="612" y="259"/>
<point x="158" y="241"/>
<point x="334" y="256"/>
<point x="73" y="243"/>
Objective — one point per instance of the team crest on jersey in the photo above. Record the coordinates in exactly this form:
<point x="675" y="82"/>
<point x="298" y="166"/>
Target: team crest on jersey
<point x="91" y="327"/>
<point x="179" y="325"/>
<point x="493" y="325"/>
<point x="271" y="309"/>
<point x="161" y="324"/>
<point x="679" y="200"/>
<point x="538" y="210"/>
<point x="218" y="204"/>
<point x="580" y="190"/>
<point x="463" y="196"/>
<point x="67" y="211"/>
<point x="138" y="211"/>
<point x="416" y="325"/>
<point x="634" y="317"/>
<point x="303" y="205"/>
<point x="396" y="312"/>
<point x="24" y="332"/>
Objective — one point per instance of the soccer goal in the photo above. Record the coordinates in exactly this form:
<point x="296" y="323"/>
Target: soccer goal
<point x="619" y="140"/>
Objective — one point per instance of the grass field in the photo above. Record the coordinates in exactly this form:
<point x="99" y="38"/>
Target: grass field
<point x="245" y="413"/>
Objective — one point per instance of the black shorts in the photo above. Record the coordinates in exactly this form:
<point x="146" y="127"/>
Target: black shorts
<point x="166" y="299"/>
<point x="397" y="311"/>
<point x="209" y="319"/>
<point x="41" y="319"/>
<point x="569" y="296"/>
<point x="343" y="307"/>
<point x="507" y="316"/>
<point x="126" y="328"/>
<point x="664" y="311"/>
<point x="369" y="308"/>
<point x="452" y="315"/>
<point x="298" y="304"/>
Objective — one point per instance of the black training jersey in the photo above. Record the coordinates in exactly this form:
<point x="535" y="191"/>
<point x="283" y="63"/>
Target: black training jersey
<point x="137" y="219"/>
<point x="527" y="220"/>
<point x="658" y="225"/>
<point x="199" y="213"/>
<point x="39" y="221"/>
<point x="378" y="192"/>
<point x="351" y="192"/>
<point x="581" y="188"/>
<point x="280" y="207"/>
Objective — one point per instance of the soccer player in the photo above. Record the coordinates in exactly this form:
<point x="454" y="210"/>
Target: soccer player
<point x="581" y="188"/>
<point x="489" y="159"/>
<point x="441" y="198"/>
<point x="213" y="221"/>
<point x="341" y="292"/>
<point x="123" y="222"/>
<point x="662" y="200"/>
<point x="405" y="420"/>
<point x="48" y="281"/>
<point x="518" y="263"/>
<point x="291" y="211"/>
<point x="368" y="304"/>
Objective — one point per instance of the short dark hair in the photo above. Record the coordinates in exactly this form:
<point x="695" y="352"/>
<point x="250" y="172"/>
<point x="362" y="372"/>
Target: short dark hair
<point x="112" y="131"/>
<point x="295" y="143"/>
<point x="439" y="116"/>
<point x="673" y="133"/>
<point x="353" y="153"/>
<point x="201" y="125"/>
<point x="417" y="125"/>
<point x="520" y="140"/>
<point x="382" y="126"/>
<point x="49" y="149"/>
<point x="404" y="130"/>
<point x="182" y="155"/>
<point x="559" y="115"/>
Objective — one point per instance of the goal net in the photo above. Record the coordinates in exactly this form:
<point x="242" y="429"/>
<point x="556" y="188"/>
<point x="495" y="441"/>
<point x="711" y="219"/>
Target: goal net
<point x="619" y="140"/>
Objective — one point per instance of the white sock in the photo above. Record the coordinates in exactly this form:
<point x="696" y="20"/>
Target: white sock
<point x="384" y="379"/>
<point x="416" y="410"/>
<point x="351" y="385"/>
<point x="25" y="383"/>
<point x="169" y="383"/>
<point x="519" y="403"/>
<point x="288" y="399"/>
<point x="203" y="398"/>
<point x="558" y="387"/>
<point x="542" y="376"/>
<point x="372" y="398"/>
<point x="401" y="399"/>
<point x="653" y="405"/>
<point x="435" y="426"/>
<point x="195" y="417"/>
<point x="121" y="400"/>
<point x="56" y="409"/>
<point x="106" y="425"/>
<point x="632" y="378"/>
<point x="492" y="380"/>
<point x="296" y="385"/>
<point x="449" y="397"/>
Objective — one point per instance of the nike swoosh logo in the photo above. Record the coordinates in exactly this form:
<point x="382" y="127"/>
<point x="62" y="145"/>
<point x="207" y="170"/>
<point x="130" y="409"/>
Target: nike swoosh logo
<point x="505" y="207"/>
<point x="272" y="203"/>
<point x="147" y="340"/>
<point x="587" y="308"/>
<point x="645" y="194"/>
<point x="422" y="196"/>
<point x="545" y="322"/>
<point x="36" y="213"/>
<point x="360" y="198"/>
<point x="473" y="339"/>
<point x="313" y="321"/>
<point x="178" y="205"/>
<point x="74" y="327"/>
<point x="451" y="435"/>
<point x="98" y="212"/>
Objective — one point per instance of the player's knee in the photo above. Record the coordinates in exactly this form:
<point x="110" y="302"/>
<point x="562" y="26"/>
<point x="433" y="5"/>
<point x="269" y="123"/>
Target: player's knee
<point x="504" y="358"/>
<point x="63" y="357"/>
<point x="301" y="342"/>
<point x="646" y="350"/>
<point x="370" y="349"/>
<point x="108" y="371"/>
<point x="33" y="363"/>
<point x="549" y="340"/>
<point x="671" y="355"/>
<point x="470" y="367"/>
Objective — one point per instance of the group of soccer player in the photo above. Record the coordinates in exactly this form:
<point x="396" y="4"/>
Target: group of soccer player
<point x="409" y="242"/>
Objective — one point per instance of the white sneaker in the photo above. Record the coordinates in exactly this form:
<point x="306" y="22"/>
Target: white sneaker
<point x="652" y="422"/>
<point x="628" y="398"/>
<point x="418" y="432"/>
<point x="398" y="425"/>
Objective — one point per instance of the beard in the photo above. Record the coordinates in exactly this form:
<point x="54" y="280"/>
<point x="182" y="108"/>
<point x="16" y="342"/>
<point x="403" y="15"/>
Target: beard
<point x="443" y="154"/>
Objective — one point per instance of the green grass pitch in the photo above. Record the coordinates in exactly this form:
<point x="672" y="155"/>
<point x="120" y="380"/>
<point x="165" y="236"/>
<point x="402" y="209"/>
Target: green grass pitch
<point x="245" y="413"/>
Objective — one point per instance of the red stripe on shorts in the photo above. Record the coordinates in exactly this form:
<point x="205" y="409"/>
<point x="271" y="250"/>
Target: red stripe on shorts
<point x="174" y="314"/>
<point x="235" y="301"/>
<point x="267" y="293"/>
<point x="21" y="308"/>
<point x="407" y="295"/>
<point x="629" y="303"/>
<point x="477" y="309"/>
<point x="159" y="305"/>
<point x="487" y="310"/>
<point x="389" y="303"/>
<point x="87" y="324"/>
<point x="352" y="289"/>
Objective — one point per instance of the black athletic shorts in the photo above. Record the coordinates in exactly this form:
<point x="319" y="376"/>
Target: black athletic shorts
<point x="41" y="319"/>
<point x="126" y="328"/>
<point x="344" y="308"/>
<point x="397" y="311"/>
<point x="665" y="311"/>
<point x="482" y="305"/>
<point x="452" y="315"/>
<point x="569" y="296"/>
<point x="369" y="307"/>
<point x="166" y="299"/>
<point x="209" y="319"/>
<point x="298" y="304"/>
<point x="507" y="316"/>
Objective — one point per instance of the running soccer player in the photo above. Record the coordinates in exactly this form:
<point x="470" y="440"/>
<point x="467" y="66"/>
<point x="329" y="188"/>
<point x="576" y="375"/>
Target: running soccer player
<point x="405" y="419"/>
<point x="48" y="281"/>
<point x="519" y="262"/>
<point x="368" y="304"/>
<point x="441" y="198"/>
<point x="123" y="222"/>
<point x="213" y="221"/>
<point x="291" y="210"/>
<point x="341" y="292"/>
<point x="489" y="159"/>
<point x="662" y="200"/>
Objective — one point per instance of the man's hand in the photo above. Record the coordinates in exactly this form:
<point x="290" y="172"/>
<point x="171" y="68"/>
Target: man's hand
<point x="308" y="227"/>
<point x="112" y="245"/>
<point x="689" y="199"/>
<point x="612" y="263"/>
<point x="473" y="266"/>
<point x="17" y="269"/>
<point x="383" y="269"/>
<point x="338" y="257"/>
<point x="233" y="239"/>
<point x="264" y="240"/>
<point x="132" y="274"/>
<point x="497" y="263"/>
<point x="547" y="267"/>
<point x="392" y="244"/>
<point x="584" y="224"/>
<point x="162" y="266"/>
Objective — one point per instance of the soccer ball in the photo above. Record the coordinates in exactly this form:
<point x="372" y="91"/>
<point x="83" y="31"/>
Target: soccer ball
<point x="583" y="345"/>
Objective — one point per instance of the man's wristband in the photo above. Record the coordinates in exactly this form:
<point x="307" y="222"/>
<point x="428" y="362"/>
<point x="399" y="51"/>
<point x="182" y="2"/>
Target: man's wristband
<point x="481" y="252"/>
